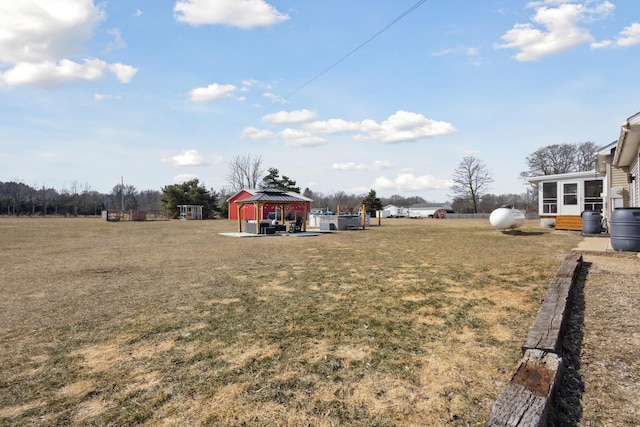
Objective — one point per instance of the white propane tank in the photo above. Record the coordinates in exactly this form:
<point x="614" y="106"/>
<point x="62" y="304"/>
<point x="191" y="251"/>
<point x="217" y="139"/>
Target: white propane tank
<point x="505" y="218"/>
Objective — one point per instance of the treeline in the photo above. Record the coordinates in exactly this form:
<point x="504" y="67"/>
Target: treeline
<point x="526" y="202"/>
<point x="18" y="198"/>
<point x="331" y="201"/>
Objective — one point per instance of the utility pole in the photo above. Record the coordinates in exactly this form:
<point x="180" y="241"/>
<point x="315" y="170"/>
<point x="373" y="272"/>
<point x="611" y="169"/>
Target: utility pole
<point x="122" y="192"/>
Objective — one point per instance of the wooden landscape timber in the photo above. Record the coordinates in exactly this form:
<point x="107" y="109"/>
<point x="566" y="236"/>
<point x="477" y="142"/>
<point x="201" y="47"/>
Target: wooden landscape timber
<point x="527" y="399"/>
<point x="546" y="331"/>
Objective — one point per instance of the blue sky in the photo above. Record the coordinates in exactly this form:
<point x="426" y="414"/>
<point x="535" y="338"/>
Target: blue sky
<point x="159" y="92"/>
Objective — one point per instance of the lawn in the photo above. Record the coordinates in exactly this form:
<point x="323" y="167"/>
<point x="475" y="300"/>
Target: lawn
<point x="415" y="322"/>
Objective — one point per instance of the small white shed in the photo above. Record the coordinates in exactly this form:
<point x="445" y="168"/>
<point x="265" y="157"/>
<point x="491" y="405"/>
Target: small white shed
<point x="190" y="211"/>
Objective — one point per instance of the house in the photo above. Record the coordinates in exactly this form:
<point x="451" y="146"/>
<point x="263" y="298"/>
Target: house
<point x="426" y="210"/>
<point x="393" y="211"/>
<point x="296" y="205"/>
<point x="624" y="165"/>
<point x="614" y="184"/>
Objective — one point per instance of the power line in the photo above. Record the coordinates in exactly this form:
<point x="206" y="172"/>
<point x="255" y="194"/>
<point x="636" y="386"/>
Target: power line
<point x="329" y="68"/>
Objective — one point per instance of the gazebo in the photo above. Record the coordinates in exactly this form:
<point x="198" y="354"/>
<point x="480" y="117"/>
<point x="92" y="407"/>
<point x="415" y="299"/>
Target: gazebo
<point x="273" y="197"/>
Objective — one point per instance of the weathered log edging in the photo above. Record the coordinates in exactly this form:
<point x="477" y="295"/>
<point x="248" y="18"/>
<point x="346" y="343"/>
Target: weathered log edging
<point x="528" y="397"/>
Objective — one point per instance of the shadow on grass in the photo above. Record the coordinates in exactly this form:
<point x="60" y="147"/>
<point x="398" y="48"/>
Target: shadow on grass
<point x="568" y="399"/>
<point x="521" y="233"/>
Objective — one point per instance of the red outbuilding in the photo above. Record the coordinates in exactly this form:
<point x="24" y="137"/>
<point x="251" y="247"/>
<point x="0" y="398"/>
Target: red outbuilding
<point x="271" y="201"/>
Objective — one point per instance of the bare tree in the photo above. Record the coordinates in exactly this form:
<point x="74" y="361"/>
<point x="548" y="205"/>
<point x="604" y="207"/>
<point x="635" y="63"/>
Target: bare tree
<point x="74" y="194"/>
<point x="562" y="158"/>
<point x="471" y="180"/>
<point x="244" y="172"/>
<point x="586" y="156"/>
<point x="44" y="198"/>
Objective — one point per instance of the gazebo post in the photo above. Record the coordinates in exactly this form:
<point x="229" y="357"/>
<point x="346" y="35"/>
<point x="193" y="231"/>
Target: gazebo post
<point x="255" y="217"/>
<point x="304" y="218"/>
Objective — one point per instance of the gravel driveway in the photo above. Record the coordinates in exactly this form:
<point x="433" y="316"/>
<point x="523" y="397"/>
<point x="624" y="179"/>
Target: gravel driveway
<point x="601" y="385"/>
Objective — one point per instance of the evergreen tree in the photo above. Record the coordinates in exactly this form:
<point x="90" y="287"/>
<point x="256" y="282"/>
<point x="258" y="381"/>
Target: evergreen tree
<point x="273" y="180"/>
<point x="372" y="203"/>
<point x="189" y="193"/>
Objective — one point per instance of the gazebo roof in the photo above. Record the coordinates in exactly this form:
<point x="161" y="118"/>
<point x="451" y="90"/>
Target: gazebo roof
<point x="272" y="195"/>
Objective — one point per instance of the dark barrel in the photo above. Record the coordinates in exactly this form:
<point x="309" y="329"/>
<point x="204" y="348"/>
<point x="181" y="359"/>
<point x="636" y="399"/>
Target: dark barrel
<point x="625" y="229"/>
<point x="591" y="222"/>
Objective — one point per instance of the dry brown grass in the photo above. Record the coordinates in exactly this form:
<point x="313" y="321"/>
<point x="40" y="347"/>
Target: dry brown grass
<point x="417" y="322"/>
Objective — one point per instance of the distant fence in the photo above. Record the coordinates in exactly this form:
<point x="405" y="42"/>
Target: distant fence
<point x="134" y="215"/>
<point x="484" y="216"/>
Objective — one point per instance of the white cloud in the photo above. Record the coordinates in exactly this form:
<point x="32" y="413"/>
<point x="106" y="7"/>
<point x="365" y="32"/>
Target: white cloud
<point x="48" y="73"/>
<point x="213" y="92"/>
<point x="42" y="30"/>
<point x="563" y="28"/>
<point x="102" y="96"/>
<point x="118" y="42"/>
<point x="602" y="44"/>
<point x="185" y="159"/>
<point x="288" y="117"/>
<point x="137" y="13"/>
<point x="406" y="181"/>
<point x="274" y="98"/>
<point x="257" y="134"/>
<point x="399" y="127"/>
<point x="472" y="54"/>
<point x="38" y="37"/>
<point x="300" y="138"/>
<point x="629" y="36"/>
<point x="243" y="14"/>
<point x="248" y="83"/>
<point x="333" y="126"/>
<point x="403" y="126"/>
<point x="534" y="4"/>
<point x="352" y="166"/>
<point x="123" y="72"/>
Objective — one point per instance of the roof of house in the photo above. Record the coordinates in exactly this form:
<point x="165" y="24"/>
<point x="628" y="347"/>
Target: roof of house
<point x="565" y="176"/>
<point x="419" y="206"/>
<point x="602" y="155"/>
<point x="629" y="142"/>
<point x="273" y="195"/>
<point x="429" y="206"/>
